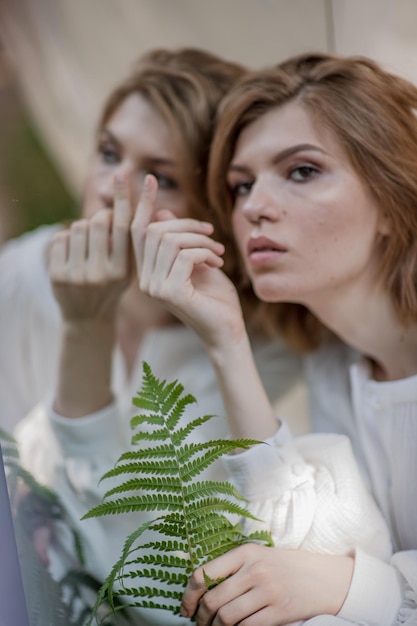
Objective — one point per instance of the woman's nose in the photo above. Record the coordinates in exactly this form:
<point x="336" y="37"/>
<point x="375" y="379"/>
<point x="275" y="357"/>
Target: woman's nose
<point x="259" y="203"/>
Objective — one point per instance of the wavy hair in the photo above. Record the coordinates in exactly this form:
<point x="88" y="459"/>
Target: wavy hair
<point x="371" y="113"/>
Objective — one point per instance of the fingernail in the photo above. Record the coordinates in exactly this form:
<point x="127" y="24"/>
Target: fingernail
<point x="183" y="612"/>
<point x="147" y="183"/>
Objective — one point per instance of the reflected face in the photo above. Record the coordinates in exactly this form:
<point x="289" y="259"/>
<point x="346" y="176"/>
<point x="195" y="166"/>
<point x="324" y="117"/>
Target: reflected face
<point x="304" y="222"/>
<point x="135" y="141"/>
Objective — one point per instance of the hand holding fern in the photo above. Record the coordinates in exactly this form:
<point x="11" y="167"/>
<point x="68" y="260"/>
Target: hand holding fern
<point x="267" y="586"/>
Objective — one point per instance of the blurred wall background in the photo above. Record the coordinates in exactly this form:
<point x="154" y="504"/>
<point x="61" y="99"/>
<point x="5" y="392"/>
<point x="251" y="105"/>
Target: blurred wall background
<point x="59" y="58"/>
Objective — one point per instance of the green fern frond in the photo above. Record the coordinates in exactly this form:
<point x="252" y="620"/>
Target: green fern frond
<point x="182" y="433"/>
<point x="197" y="519"/>
<point x="158" y="502"/>
<point x="171" y="578"/>
<point x="148" y="483"/>
<point x="209" y="488"/>
<point x="160" y="559"/>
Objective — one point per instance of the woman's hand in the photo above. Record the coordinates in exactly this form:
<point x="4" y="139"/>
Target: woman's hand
<point x="268" y="587"/>
<point x="89" y="262"/>
<point x="89" y="269"/>
<point x="179" y="263"/>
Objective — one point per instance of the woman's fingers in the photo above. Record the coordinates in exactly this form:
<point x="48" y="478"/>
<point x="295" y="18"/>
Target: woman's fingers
<point x="57" y="256"/>
<point x="96" y="250"/>
<point x="77" y="251"/>
<point x="122" y="218"/>
<point x="222" y="567"/>
<point x="99" y="246"/>
<point x="163" y="254"/>
<point x="143" y="217"/>
<point x="249" y="609"/>
<point x="148" y="235"/>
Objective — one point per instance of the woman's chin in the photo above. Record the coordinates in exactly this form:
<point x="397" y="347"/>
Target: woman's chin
<point x="270" y="293"/>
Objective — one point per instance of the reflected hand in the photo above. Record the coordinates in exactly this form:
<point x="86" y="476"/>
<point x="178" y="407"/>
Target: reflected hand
<point x="89" y="263"/>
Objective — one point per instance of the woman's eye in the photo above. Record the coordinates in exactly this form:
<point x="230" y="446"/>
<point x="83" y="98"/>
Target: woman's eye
<point x="303" y="173"/>
<point x="108" y="154"/>
<point x="241" y="189"/>
<point x="165" y="182"/>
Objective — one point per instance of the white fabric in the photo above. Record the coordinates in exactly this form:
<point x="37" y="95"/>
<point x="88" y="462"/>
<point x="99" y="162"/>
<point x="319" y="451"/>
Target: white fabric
<point x="369" y="577"/>
<point x="71" y="455"/>
<point x="29" y="326"/>
<point x="310" y="494"/>
<point x="380" y="418"/>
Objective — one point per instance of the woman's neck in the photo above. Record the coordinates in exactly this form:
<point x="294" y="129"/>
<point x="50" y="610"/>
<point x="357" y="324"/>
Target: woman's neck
<point x="370" y="325"/>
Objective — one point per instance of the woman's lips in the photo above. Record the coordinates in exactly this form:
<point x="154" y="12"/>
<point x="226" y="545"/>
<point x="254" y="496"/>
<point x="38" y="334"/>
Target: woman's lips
<point x="263" y="250"/>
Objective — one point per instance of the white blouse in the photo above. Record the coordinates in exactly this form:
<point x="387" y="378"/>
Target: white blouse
<point x="380" y="419"/>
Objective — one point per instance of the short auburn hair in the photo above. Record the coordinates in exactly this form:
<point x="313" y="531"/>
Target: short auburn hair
<point x="372" y="114"/>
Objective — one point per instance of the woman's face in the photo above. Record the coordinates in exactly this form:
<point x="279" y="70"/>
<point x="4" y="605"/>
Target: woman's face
<point x="135" y="141"/>
<point x="304" y="222"/>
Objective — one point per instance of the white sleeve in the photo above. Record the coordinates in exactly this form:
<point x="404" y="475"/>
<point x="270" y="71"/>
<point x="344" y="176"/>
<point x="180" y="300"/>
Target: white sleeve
<point x="375" y="593"/>
<point x="71" y="455"/>
<point x="391" y="591"/>
<point x="309" y="494"/>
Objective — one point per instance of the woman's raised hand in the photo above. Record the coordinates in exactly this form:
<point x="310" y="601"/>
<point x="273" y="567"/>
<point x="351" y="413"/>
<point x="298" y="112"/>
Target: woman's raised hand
<point x="89" y="263"/>
<point x="179" y="263"/>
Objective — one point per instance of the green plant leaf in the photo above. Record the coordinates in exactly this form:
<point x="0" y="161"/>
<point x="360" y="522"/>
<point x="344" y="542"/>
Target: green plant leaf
<point x="194" y="523"/>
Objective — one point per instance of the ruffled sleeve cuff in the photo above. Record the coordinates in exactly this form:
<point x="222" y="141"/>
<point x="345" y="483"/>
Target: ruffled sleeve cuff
<point x="375" y="594"/>
<point x="275" y="461"/>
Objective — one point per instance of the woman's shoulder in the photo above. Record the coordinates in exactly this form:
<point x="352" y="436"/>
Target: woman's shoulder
<point x="28" y="246"/>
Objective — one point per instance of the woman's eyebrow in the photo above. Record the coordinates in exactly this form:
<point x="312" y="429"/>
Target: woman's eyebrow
<point x="155" y="161"/>
<point x="105" y="133"/>
<point x="301" y="147"/>
<point x="151" y="160"/>
<point x="281" y="156"/>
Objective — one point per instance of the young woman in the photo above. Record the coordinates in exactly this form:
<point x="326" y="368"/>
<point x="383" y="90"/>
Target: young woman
<point x="314" y="167"/>
<point x="100" y="328"/>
